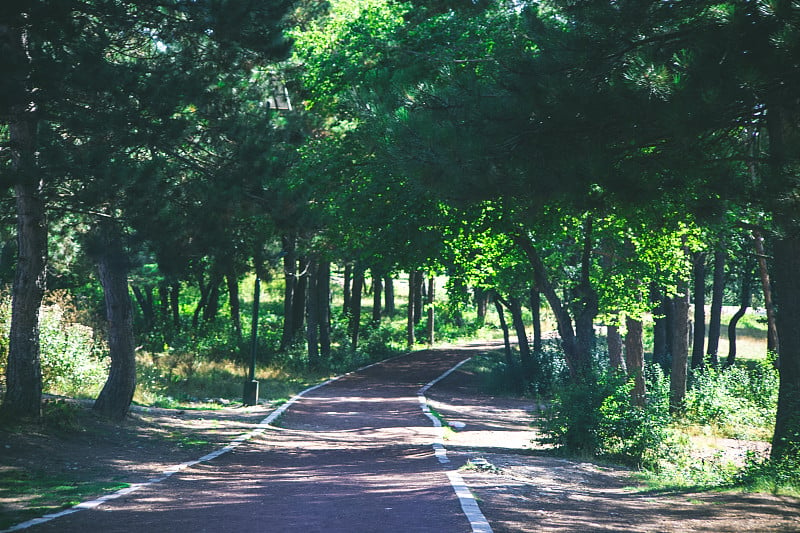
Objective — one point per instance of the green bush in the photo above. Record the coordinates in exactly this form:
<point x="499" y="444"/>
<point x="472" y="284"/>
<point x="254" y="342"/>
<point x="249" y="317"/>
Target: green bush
<point x="738" y="402"/>
<point x="598" y="419"/>
<point x="772" y="475"/>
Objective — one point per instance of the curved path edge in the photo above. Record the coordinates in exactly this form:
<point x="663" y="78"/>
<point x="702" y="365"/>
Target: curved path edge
<point x="468" y="503"/>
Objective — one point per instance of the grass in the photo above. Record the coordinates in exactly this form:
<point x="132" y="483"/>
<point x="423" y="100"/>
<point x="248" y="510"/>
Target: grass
<point x="45" y="493"/>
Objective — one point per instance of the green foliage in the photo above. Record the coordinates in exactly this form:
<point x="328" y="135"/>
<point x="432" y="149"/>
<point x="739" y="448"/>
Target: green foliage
<point x="778" y="476"/>
<point x="738" y="402"/>
<point x="598" y="419"/>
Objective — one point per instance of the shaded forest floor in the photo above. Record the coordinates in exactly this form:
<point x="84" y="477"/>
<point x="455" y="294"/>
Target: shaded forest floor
<point x="520" y="486"/>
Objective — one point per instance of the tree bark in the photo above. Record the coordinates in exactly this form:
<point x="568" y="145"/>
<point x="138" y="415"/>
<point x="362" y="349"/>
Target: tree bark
<point x="501" y="316"/>
<point x="388" y="293"/>
<point x="348" y="277"/>
<point x="232" y="281"/>
<point x="536" y="313"/>
<point x="614" y="341"/>
<point x="299" y="298"/>
<point x="431" y="310"/>
<point x="786" y="439"/>
<point x="773" y="344"/>
<point x="324" y="303"/>
<point x="660" y="329"/>
<point x="634" y="360"/>
<point x="715" y="320"/>
<point x="174" y="300"/>
<point x="410" y="319"/>
<point x="698" y="344"/>
<point x="23" y="395"/>
<point x="745" y="296"/>
<point x="419" y="283"/>
<point x="290" y="283"/>
<point x="377" y="296"/>
<point x="312" y="314"/>
<point x="679" y="345"/>
<point x="481" y="302"/>
<point x="355" y="306"/>
<point x="112" y="266"/>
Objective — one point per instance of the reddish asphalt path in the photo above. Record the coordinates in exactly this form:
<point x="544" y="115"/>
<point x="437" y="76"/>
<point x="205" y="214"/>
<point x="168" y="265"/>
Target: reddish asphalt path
<point x="352" y="456"/>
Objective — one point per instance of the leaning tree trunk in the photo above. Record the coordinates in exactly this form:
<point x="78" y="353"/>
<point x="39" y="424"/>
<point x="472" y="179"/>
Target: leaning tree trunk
<point x="745" y="296"/>
<point x="23" y="395"/>
<point x="112" y="266"/>
<point x="699" y="310"/>
<point x="634" y="360"/>
<point x="529" y="367"/>
<point x="679" y="344"/>
<point x="501" y="316"/>
<point x="773" y="345"/>
<point x="715" y="320"/>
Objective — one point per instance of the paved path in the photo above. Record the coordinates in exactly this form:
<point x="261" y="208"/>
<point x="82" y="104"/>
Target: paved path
<point x="352" y="456"/>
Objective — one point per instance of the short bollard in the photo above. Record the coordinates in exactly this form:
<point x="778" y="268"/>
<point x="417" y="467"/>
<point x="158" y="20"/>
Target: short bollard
<point x="250" y="393"/>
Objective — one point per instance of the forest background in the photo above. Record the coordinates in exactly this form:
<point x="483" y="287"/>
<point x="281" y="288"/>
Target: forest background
<point x="603" y="164"/>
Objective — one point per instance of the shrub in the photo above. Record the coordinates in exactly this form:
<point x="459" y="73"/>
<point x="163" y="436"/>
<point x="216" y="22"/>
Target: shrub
<point x="738" y="402"/>
<point x="598" y="419"/>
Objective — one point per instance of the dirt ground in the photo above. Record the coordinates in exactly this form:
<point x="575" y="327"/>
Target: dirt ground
<point x="518" y="486"/>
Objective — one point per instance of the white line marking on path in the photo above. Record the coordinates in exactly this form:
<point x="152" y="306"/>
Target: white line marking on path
<point x="469" y="505"/>
<point x="235" y="443"/>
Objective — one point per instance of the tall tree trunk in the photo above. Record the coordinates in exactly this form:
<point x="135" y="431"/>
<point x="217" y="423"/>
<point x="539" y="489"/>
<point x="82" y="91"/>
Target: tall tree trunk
<point x="660" y="329"/>
<point x="634" y="360"/>
<point x="355" y="305"/>
<point x="431" y="311"/>
<point x="144" y="298"/>
<point x="410" y="319"/>
<point x="299" y="298"/>
<point x="715" y="320"/>
<point x="23" y="395"/>
<point x="698" y="344"/>
<point x="348" y="278"/>
<point x="324" y="304"/>
<point x="786" y="439"/>
<point x="529" y="367"/>
<point x="579" y="369"/>
<point x="745" y="296"/>
<point x="211" y="307"/>
<point x="501" y="316"/>
<point x="112" y="266"/>
<point x="174" y="301"/>
<point x="377" y="296"/>
<point x="312" y="313"/>
<point x="773" y="344"/>
<point x="419" y="283"/>
<point x="588" y="304"/>
<point x="289" y="285"/>
<point x="388" y="292"/>
<point x="536" y="313"/>
<point x="679" y="345"/>
<point x="614" y="341"/>
<point x="481" y="302"/>
<point x="232" y="281"/>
